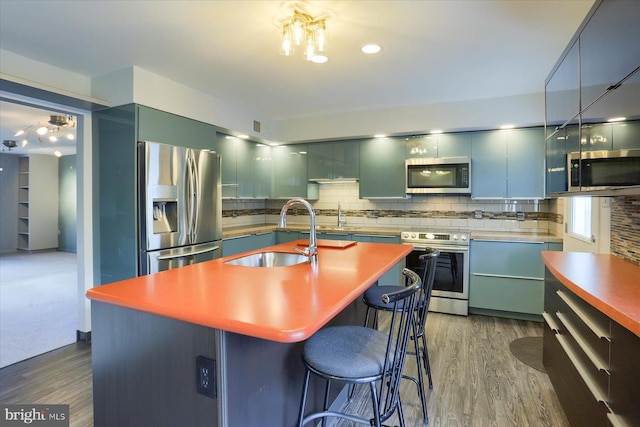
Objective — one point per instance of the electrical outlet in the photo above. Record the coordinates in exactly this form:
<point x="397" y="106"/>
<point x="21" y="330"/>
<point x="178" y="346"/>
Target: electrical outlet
<point x="206" y="377"/>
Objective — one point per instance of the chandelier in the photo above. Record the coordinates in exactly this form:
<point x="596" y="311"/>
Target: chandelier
<point x="303" y="30"/>
<point x="57" y="127"/>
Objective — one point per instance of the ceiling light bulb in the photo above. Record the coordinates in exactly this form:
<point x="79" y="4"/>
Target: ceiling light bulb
<point x="42" y="130"/>
<point x="20" y="132"/>
<point x="288" y="47"/>
<point x="57" y="153"/>
<point x="71" y="136"/>
<point x="53" y="138"/>
<point x="310" y="48"/>
<point x="321" y="36"/>
<point x="319" y="59"/>
<point x="297" y="28"/>
<point x="370" y="49"/>
<point x="24" y="142"/>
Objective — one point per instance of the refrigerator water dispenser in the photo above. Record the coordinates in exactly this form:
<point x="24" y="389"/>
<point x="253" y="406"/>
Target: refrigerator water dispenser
<point x="165" y="216"/>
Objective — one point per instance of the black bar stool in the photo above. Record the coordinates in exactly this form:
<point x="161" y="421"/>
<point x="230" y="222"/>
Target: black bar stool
<point x="372" y="299"/>
<point x="360" y="355"/>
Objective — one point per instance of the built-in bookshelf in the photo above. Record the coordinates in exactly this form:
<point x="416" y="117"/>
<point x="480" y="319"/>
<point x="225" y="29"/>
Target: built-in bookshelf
<point x="37" y="202"/>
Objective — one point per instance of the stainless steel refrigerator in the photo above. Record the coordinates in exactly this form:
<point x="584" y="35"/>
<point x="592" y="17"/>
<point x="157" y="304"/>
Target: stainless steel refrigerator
<point x="179" y="208"/>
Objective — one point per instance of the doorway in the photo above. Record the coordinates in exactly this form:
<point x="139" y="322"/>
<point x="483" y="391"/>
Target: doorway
<point x="38" y="275"/>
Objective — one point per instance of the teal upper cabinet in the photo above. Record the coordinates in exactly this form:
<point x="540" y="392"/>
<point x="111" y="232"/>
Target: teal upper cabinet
<point x="382" y="168"/>
<point x="227" y="147"/>
<point x="609" y="51"/>
<point x="562" y="91"/>
<point x="596" y="137"/>
<point x="439" y="145"/>
<point x="159" y="126"/>
<point x="626" y="135"/>
<point x="262" y="161"/>
<point x="525" y="163"/>
<point x="454" y="145"/>
<point x="246" y="167"/>
<point x="290" y="171"/>
<point x="422" y="146"/>
<point x="489" y="164"/>
<point x="508" y="164"/>
<point x="334" y="160"/>
<point x="320" y="161"/>
<point x="346" y="159"/>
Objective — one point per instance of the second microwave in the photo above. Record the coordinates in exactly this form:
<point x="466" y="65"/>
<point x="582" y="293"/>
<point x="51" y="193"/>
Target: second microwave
<point x="446" y="175"/>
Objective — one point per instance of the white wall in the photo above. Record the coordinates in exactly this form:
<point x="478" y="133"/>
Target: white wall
<point x="137" y="85"/>
<point x="522" y="110"/>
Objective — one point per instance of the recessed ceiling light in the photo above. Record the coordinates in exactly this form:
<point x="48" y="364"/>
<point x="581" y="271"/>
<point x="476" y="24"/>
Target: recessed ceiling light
<point x="319" y="59"/>
<point x="507" y="126"/>
<point x="379" y="135"/>
<point x="436" y="131"/>
<point x="370" y="48"/>
<point x="243" y="136"/>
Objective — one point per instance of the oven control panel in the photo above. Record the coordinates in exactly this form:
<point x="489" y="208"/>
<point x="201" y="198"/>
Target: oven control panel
<point x="450" y="238"/>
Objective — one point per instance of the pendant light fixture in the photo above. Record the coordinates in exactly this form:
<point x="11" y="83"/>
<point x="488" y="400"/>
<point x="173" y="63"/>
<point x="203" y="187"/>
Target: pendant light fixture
<point x="304" y="31"/>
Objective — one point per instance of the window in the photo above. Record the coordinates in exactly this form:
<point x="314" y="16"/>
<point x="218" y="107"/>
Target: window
<point x="581" y="217"/>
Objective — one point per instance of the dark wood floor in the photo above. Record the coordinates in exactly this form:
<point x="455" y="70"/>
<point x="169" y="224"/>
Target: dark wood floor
<point x="477" y="381"/>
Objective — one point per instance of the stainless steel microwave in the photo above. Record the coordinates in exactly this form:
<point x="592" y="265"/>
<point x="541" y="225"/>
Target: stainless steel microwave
<point x="600" y="170"/>
<point x="446" y="175"/>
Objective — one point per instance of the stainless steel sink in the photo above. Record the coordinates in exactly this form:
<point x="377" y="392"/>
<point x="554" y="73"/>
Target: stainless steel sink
<point x="269" y="259"/>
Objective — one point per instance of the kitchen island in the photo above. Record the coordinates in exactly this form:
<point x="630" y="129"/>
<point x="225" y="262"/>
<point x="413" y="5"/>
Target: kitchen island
<point x="592" y="337"/>
<point x="248" y="323"/>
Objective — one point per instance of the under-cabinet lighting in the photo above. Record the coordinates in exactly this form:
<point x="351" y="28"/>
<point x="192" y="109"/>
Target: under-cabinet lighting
<point x="617" y="119"/>
<point x="437" y="131"/>
<point x="507" y="126"/>
<point x="379" y="135"/>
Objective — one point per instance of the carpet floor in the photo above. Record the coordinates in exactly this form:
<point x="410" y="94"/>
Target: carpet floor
<point x="38" y="303"/>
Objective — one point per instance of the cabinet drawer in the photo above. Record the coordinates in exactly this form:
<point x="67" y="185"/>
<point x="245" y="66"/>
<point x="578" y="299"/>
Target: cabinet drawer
<point x="508" y="258"/>
<point x="506" y="294"/>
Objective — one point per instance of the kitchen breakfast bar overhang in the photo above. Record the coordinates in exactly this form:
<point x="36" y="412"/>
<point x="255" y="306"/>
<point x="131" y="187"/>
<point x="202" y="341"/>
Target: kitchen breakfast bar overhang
<point x="248" y="322"/>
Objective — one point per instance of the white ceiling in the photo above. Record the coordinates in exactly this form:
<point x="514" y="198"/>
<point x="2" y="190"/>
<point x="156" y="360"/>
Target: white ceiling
<point x="433" y="51"/>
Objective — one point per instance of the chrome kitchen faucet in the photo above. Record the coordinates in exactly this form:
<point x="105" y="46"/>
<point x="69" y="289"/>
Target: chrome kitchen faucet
<point x="312" y="250"/>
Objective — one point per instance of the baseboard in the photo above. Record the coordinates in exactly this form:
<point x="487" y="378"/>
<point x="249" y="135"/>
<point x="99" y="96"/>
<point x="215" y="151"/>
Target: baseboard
<point x="83" y="337"/>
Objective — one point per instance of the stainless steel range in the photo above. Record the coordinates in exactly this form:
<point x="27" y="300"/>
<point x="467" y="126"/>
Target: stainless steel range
<point x="451" y="286"/>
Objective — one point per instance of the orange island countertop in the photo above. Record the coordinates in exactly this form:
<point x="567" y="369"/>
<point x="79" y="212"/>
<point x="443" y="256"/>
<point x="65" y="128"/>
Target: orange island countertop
<point x="282" y="304"/>
<point x="608" y="283"/>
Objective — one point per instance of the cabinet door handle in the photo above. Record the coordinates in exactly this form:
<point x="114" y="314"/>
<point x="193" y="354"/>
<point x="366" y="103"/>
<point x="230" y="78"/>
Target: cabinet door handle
<point x="593" y="357"/>
<point x="551" y="322"/>
<point x="585" y="317"/>
<point x="582" y="371"/>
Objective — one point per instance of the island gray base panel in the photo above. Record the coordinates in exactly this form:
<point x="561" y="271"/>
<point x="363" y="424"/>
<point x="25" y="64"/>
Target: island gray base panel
<point x="144" y="370"/>
<point x="144" y="373"/>
<point x="265" y="378"/>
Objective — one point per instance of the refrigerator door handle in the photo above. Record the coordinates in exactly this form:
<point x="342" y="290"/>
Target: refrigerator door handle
<point x="196" y="196"/>
<point x="182" y="255"/>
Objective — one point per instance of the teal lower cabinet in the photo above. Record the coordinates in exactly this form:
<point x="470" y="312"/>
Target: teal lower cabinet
<point x="507" y="278"/>
<point x="283" y="236"/>
<point x="393" y="276"/>
<point x="240" y="244"/>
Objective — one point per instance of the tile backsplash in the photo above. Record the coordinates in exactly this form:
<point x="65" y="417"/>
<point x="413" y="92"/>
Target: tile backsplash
<point x="625" y="228"/>
<point x="450" y="212"/>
